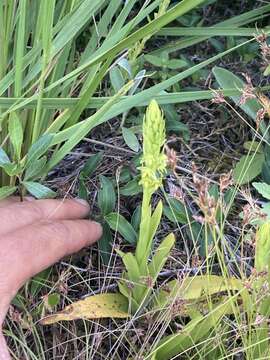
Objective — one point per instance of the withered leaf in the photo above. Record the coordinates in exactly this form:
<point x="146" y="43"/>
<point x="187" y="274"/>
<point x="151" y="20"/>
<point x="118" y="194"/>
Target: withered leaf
<point x="93" y="307"/>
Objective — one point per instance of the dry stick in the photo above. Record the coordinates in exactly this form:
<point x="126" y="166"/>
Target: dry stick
<point x="109" y="145"/>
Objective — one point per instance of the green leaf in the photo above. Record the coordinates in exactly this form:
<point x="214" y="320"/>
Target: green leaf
<point x="130" y="139"/>
<point x="263" y="189"/>
<point x="39" y="281"/>
<point x="38" y="190"/>
<point x="53" y="300"/>
<point x="131" y="188"/>
<point x="116" y="78"/>
<point x="175" y="211"/>
<point x="6" y="191"/>
<point x="91" y="164"/>
<point x="12" y="169"/>
<point x="176" y="126"/>
<point x="82" y="192"/>
<point x="155" y="60"/>
<point x="35" y="169"/>
<point x="175" y="64"/>
<point x="135" y="276"/>
<point x="15" y="130"/>
<point x="136" y="218"/>
<point x="248" y="168"/>
<point x="4" y="159"/>
<point x="161" y="255"/>
<point x="105" y="244"/>
<point x="262" y="254"/>
<point x="253" y="146"/>
<point x="267" y="71"/>
<point x="155" y="221"/>
<point x="192" y="333"/>
<point x="118" y="223"/>
<point x="131" y="266"/>
<point x="228" y="80"/>
<point x="106" y="195"/>
<point x="39" y="148"/>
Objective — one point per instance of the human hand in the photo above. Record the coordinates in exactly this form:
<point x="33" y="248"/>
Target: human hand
<point x="35" y="234"/>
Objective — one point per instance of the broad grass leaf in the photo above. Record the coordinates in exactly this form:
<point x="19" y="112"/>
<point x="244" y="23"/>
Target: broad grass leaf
<point x="260" y="341"/>
<point x="74" y="134"/>
<point x="263" y="189"/>
<point x="130" y="139"/>
<point x="118" y="223"/>
<point x="248" y="168"/>
<point x="15" y="131"/>
<point x="106" y="195"/>
<point x="93" y="307"/>
<point x="39" y="148"/>
<point x="196" y="330"/>
<point x="38" y="190"/>
<point x="6" y="191"/>
<point x="138" y="99"/>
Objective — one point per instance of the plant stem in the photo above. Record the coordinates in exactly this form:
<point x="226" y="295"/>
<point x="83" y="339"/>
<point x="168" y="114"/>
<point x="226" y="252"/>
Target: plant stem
<point x="142" y="245"/>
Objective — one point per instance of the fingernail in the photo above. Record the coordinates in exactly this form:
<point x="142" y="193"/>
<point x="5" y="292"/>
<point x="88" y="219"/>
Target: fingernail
<point x="99" y="227"/>
<point x="82" y="202"/>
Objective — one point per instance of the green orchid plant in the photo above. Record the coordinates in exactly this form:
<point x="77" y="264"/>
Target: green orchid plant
<point x="137" y="283"/>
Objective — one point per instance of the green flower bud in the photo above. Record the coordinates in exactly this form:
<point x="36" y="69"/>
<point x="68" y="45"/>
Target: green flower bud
<point x="153" y="160"/>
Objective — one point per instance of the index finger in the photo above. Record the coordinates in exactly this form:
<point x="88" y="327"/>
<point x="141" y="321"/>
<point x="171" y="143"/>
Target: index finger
<point x="38" y="246"/>
<point x="19" y="214"/>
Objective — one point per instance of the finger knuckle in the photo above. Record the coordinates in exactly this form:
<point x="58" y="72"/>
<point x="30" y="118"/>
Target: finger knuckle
<point x="35" y="211"/>
<point x="57" y="230"/>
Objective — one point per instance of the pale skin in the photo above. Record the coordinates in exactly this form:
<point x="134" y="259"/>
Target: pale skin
<point x="34" y="234"/>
